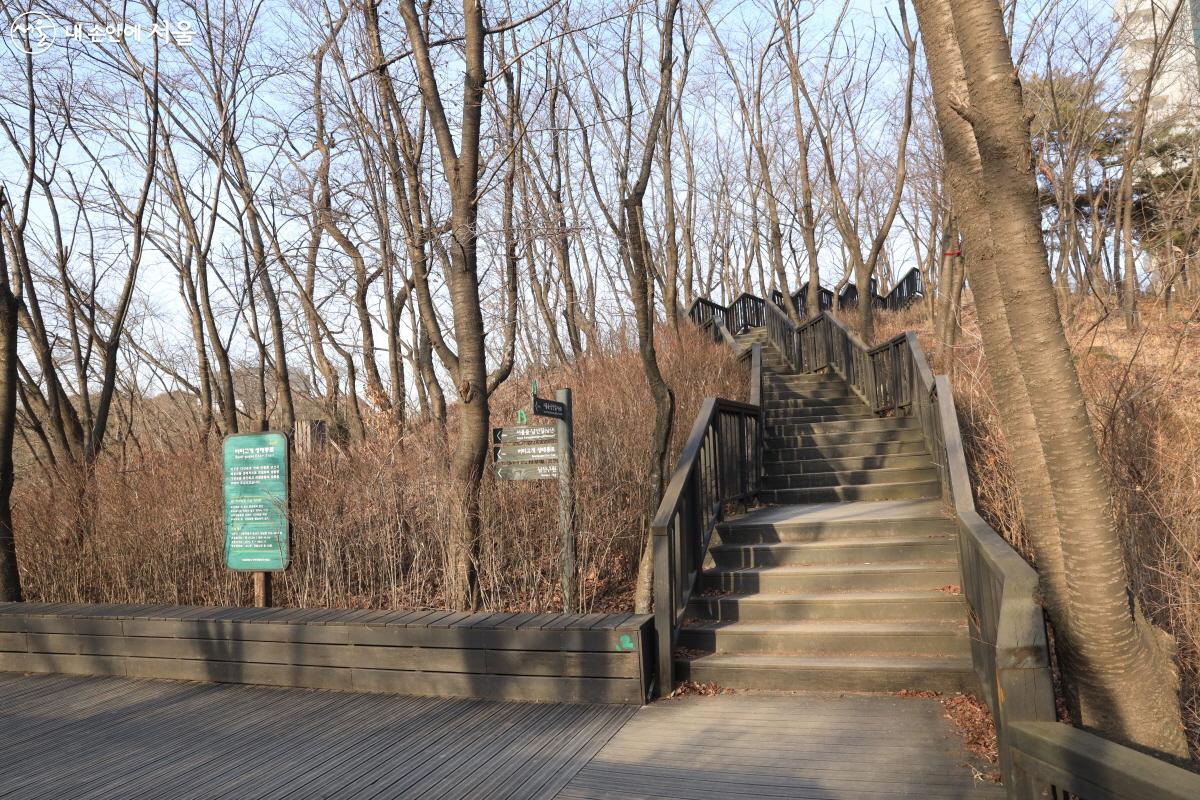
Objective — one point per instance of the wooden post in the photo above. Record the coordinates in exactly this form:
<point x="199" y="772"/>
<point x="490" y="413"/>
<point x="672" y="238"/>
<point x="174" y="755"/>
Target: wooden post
<point x="262" y="590"/>
<point x="566" y="502"/>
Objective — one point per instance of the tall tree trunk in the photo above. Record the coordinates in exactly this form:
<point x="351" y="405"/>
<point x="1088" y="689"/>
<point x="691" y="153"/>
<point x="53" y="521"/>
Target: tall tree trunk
<point x="670" y="240"/>
<point x="1125" y="677"/>
<point x="469" y="365"/>
<point x="10" y="578"/>
<point x="950" y="287"/>
<point x="642" y="291"/>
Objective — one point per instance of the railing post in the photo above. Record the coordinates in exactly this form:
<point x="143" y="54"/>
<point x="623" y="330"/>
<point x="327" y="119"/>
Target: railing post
<point x="874" y="384"/>
<point x="664" y="611"/>
<point x="894" y="353"/>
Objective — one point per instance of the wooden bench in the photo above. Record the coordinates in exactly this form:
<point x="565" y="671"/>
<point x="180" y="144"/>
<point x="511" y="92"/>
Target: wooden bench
<point x="591" y="658"/>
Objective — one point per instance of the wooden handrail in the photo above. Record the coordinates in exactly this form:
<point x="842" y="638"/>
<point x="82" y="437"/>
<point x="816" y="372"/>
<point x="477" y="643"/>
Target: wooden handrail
<point x="1091" y="767"/>
<point x="721" y="463"/>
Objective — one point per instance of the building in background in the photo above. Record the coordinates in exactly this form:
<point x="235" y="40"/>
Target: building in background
<point x="1175" y="95"/>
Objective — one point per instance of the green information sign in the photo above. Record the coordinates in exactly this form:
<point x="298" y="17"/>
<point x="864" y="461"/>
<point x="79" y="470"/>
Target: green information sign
<point x="256" y="501"/>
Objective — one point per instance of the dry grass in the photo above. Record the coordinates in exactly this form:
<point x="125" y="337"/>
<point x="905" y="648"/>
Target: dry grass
<point x="1142" y="392"/>
<point x="368" y="524"/>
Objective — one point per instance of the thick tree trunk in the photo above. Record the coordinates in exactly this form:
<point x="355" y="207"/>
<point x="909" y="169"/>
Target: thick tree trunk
<point x="1125" y="677"/>
<point x="965" y="183"/>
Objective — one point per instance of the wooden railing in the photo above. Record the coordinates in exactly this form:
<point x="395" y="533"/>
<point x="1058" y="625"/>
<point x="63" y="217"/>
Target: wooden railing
<point x="781" y="333"/>
<point x="746" y="312"/>
<point x="702" y="311"/>
<point x="720" y="465"/>
<point x="907" y="290"/>
<point x="1053" y="757"/>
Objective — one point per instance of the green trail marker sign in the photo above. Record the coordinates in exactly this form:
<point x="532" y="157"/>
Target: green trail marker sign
<point x="256" y="502"/>
<point x="545" y="452"/>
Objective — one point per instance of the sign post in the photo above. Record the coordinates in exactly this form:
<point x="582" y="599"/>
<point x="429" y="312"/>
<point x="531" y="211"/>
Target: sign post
<point x="257" y="533"/>
<point x="544" y="452"/>
<point x="566" y="500"/>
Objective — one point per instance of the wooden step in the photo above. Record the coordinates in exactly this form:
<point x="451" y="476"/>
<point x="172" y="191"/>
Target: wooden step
<point x="830" y="637"/>
<point x="840" y="464"/>
<point x="832" y="577"/>
<point x="838" y="522"/>
<point x="794" y="416"/>
<point x="803" y="381"/>
<point x="779" y="405"/>
<point x="874" y="424"/>
<point x="879" y="439"/>
<point x="927" y="604"/>
<point x="872" y="491"/>
<point x="788" y="423"/>
<point x="831" y="673"/>
<point x="902" y="445"/>
<point x="872" y="550"/>
<point x="850" y="477"/>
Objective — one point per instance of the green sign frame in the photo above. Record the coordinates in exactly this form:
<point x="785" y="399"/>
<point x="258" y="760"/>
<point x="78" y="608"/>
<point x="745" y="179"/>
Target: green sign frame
<point x="257" y="478"/>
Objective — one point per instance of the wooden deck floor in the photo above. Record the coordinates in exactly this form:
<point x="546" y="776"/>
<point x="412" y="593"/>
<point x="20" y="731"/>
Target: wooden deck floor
<point x="80" y="738"/>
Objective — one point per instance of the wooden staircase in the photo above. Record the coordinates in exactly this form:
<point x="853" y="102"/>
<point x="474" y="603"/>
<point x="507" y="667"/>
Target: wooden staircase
<point x="850" y="580"/>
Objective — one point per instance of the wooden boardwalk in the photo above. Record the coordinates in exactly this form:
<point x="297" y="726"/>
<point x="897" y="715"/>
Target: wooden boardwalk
<point x="95" y="738"/>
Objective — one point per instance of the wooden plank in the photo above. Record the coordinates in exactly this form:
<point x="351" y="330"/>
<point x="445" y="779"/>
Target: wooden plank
<point x="489" y="620"/>
<point x="546" y="662"/>
<point x="523" y="638"/>
<point x="287" y="675"/>
<point x="66" y="663"/>
<point x="274" y="632"/>
<point x="454" y="619"/>
<point x="403" y="618"/>
<point x="14" y="642"/>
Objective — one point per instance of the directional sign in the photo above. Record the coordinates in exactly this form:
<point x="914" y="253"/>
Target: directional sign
<point x="549" y="408"/>
<point x="527" y="472"/>
<point x="523" y="433"/>
<point x="256" y="501"/>
<point x="525" y="452"/>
